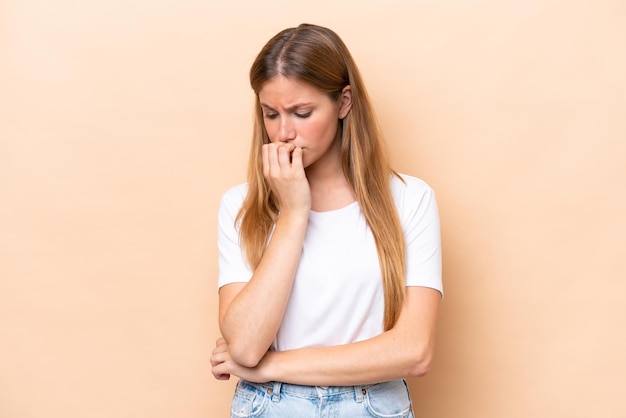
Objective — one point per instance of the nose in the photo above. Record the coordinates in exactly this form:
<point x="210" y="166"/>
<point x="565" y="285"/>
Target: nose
<point x="287" y="131"/>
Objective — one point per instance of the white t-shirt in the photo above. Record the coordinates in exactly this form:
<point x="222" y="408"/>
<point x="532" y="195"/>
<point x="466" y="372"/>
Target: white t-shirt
<point x="337" y="295"/>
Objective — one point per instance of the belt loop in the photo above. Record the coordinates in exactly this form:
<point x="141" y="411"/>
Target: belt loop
<point x="358" y="393"/>
<point x="276" y="391"/>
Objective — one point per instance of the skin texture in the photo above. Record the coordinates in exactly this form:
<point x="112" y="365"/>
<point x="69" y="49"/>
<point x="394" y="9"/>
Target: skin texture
<point x="302" y="165"/>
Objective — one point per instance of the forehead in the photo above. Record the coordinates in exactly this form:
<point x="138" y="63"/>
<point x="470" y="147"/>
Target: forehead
<point x="280" y="91"/>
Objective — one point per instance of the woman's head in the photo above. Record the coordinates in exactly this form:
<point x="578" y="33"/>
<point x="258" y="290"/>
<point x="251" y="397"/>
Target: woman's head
<point x="310" y="56"/>
<point x="317" y="56"/>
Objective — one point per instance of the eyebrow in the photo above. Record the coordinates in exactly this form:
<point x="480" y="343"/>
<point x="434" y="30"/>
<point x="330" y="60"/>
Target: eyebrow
<point x="290" y="108"/>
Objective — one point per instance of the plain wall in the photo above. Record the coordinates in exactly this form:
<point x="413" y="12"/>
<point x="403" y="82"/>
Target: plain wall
<point x="123" y="122"/>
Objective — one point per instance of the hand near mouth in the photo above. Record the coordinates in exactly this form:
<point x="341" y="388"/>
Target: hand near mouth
<point x="284" y="171"/>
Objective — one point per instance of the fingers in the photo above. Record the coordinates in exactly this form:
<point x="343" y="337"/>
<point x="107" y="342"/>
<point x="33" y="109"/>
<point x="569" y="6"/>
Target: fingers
<point x="223" y="348"/>
<point x="284" y="156"/>
<point x="277" y="159"/>
<point x="296" y="159"/>
<point x="219" y="360"/>
<point x="284" y="172"/>
<point x="220" y="370"/>
<point x="220" y="352"/>
<point x="218" y="374"/>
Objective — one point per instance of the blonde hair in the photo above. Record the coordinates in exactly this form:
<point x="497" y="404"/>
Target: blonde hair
<point x="317" y="56"/>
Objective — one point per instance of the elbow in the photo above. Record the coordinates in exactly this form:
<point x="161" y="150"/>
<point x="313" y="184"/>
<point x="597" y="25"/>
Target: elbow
<point x="244" y="351"/>
<point x="419" y="369"/>
<point x="245" y="355"/>
<point x="420" y="363"/>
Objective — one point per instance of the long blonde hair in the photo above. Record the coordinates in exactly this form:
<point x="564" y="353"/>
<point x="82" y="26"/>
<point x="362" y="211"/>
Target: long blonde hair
<point x="317" y="56"/>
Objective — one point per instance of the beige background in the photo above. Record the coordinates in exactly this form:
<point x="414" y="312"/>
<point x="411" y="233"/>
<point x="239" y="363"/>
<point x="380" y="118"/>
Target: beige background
<point x="123" y="122"/>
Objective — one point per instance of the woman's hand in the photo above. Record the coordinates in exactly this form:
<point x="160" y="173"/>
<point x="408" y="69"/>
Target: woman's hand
<point x="284" y="171"/>
<point x="220" y="359"/>
<point x="223" y="366"/>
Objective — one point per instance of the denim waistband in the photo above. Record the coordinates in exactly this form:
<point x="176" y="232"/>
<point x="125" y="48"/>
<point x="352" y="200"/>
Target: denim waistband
<point x="276" y="388"/>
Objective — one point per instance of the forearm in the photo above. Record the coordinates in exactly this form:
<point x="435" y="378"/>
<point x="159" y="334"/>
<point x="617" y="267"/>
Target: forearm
<point x="379" y="359"/>
<point x="405" y="350"/>
<point x="250" y="320"/>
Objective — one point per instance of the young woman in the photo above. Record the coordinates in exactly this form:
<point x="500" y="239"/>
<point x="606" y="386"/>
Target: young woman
<point x="329" y="261"/>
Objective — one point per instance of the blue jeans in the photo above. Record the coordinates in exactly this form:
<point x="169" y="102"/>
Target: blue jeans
<point x="282" y="400"/>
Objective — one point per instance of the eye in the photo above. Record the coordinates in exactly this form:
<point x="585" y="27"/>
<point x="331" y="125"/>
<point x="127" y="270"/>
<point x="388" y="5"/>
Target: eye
<point x="270" y="115"/>
<point x="303" y="115"/>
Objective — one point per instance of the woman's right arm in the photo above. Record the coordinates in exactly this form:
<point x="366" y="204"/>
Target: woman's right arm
<point x="251" y="313"/>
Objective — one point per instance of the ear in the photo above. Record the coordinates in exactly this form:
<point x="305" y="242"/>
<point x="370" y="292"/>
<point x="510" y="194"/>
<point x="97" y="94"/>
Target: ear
<point x="346" y="102"/>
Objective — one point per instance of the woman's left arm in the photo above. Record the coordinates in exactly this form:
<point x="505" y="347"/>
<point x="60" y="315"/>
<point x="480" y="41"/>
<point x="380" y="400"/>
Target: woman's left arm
<point x="405" y="350"/>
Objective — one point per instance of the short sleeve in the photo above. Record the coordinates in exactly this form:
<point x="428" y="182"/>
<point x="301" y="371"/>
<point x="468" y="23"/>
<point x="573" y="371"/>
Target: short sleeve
<point x="419" y="216"/>
<point x="232" y="263"/>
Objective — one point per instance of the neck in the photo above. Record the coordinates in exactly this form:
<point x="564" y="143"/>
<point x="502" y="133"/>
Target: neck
<point x="329" y="187"/>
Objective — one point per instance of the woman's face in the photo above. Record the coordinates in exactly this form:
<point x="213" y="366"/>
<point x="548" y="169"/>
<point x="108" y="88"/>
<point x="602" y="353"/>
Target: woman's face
<point x="298" y="113"/>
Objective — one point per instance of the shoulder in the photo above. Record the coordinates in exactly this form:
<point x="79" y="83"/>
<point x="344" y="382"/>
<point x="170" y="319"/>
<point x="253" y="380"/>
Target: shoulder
<point x="233" y="197"/>
<point x="407" y="181"/>
<point x="407" y="189"/>
<point x="414" y="199"/>
<point x="236" y="191"/>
